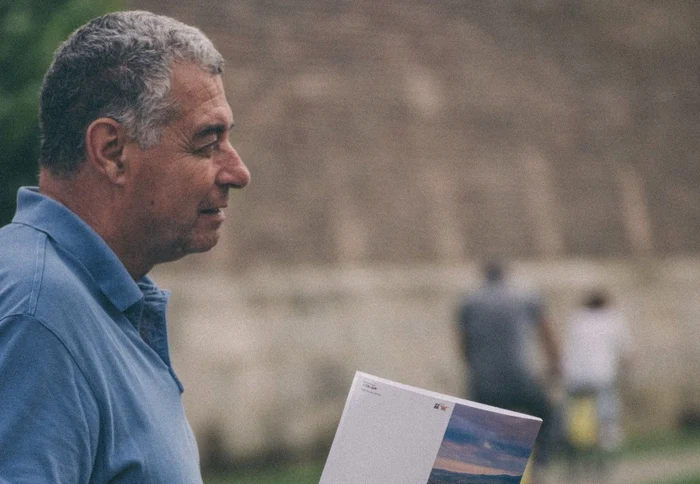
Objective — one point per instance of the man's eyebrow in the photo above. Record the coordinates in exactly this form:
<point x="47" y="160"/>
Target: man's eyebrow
<point x="216" y="129"/>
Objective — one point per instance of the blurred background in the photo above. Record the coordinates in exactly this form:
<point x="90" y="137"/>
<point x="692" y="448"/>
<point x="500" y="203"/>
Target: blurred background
<point x="395" y="146"/>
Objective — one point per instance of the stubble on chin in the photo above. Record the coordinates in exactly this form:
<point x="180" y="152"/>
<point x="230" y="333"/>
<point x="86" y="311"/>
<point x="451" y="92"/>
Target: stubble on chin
<point x="199" y="243"/>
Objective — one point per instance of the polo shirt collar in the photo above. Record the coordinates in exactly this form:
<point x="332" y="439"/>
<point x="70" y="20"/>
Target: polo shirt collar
<point x="72" y="234"/>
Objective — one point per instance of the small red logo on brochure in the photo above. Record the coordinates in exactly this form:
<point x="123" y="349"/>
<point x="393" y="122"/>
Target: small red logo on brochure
<point x="440" y="406"/>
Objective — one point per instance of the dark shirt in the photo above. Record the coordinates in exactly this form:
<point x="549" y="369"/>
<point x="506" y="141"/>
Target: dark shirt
<point x="495" y="322"/>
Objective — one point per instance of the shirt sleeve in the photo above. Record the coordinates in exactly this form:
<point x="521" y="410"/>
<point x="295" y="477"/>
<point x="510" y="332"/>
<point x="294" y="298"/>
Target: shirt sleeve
<point x="48" y="415"/>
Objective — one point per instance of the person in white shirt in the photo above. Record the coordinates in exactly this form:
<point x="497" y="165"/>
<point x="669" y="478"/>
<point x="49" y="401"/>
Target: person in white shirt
<point x="597" y="346"/>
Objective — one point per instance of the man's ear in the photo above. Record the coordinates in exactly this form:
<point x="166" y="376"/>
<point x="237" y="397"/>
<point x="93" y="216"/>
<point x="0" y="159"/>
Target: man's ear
<point x="105" y="139"/>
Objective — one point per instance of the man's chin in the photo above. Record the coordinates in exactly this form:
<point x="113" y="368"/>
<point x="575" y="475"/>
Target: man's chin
<point x="194" y="245"/>
<point x="202" y="243"/>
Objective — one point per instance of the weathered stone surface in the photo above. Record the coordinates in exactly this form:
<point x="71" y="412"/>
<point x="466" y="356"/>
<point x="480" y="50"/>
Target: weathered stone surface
<point x="431" y="131"/>
<point x="392" y="145"/>
<point x="267" y="357"/>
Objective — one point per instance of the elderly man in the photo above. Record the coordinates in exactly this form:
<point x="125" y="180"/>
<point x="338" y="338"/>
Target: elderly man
<point x="135" y="170"/>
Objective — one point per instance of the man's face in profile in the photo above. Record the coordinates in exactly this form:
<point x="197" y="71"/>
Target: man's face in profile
<point x="179" y="188"/>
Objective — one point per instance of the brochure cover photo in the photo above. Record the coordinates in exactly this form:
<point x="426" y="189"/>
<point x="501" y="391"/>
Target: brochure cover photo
<point x="482" y="447"/>
<point x="390" y="433"/>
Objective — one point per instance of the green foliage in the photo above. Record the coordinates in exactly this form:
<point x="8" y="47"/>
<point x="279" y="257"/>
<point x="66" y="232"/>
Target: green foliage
<point x="30" y="31"/>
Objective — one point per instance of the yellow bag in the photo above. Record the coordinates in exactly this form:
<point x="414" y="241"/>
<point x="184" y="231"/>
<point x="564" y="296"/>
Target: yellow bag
<point x="582" y="421"/>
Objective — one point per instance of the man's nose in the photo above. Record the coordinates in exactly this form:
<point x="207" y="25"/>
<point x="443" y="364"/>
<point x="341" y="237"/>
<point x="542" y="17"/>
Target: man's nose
<point x="233" y="171"/>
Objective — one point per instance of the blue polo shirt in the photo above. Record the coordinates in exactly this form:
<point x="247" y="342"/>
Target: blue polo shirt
<point x="87" y="392"/>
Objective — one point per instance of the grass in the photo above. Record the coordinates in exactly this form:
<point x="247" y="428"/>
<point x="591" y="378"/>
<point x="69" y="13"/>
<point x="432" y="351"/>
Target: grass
<point x="664" y="443"/>
<point x="684" y="480"/>
<point x="637" y="448"/>
<point x="310" y="473"/>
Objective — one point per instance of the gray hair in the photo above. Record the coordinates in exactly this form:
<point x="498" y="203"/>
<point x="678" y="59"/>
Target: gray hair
<point x="117" y="66"/>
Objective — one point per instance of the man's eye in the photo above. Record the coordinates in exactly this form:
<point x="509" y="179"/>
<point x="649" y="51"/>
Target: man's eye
<point x="207" y="150"/>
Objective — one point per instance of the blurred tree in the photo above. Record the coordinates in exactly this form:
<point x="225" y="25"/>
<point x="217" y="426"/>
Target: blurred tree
<point x="30" y="31"/>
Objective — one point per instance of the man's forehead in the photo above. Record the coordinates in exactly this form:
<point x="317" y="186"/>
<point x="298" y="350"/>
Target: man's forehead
<point x="190" y="79"/>
<point x="201" y="99"/>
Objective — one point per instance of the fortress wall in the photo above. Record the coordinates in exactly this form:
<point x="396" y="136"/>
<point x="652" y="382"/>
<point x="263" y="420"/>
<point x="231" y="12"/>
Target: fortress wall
<point x="267" y="357"/>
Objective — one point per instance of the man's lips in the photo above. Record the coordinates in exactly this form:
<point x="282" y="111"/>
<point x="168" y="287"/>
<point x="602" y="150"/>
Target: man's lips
<point x="217" y="209"/>
<point x="211" y="211"/>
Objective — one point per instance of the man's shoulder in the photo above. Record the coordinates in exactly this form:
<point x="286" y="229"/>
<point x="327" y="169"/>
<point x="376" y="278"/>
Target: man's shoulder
<point x="34" y="273"/>
<point x="17" y="243"/>
<point x="21" y="264"/>
<point x="512" y="294"/>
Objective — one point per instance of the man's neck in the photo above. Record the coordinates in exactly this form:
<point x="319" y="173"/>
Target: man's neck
<point x="94" y="203"/>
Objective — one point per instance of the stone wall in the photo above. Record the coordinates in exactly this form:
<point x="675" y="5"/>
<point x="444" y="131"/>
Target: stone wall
<point x="441" y="131"/>
<point x="267" y="357"/>
<point x="392" y="145"/>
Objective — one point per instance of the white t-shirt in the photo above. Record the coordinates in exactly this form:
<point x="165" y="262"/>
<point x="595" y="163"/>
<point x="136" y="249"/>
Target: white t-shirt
<point x="595" y="342"/>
